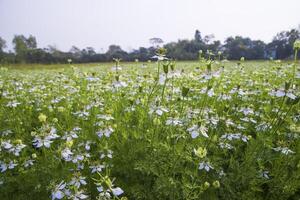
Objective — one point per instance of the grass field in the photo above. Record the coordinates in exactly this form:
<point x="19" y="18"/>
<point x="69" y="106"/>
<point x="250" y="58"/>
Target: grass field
<point x="159" y="130"/>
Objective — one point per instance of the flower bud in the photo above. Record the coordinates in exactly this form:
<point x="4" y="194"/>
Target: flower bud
<point x="206" y="185"/>
<point x="42" y="117"/>
<point x="216" y="184"/>
<point x="200" y="152"/>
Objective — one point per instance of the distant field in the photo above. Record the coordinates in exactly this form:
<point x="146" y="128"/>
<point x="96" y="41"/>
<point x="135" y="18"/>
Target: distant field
<point x="108" y="65"/>
<point x="184" y="130"/>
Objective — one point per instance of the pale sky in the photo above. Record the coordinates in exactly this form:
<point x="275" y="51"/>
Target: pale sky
<point x="131" y="23"/>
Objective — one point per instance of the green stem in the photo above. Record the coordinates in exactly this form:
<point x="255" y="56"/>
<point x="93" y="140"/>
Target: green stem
<point x="163" y="91"/>
<point x="295" y="63"/>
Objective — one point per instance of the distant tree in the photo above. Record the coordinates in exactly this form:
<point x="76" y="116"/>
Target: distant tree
<point x="31" y="42"/>
<point x="182" y="50"/>
<point x="282" y="44"/>
<point x="88" y="55"/>
<point x="237" y="47"/>
<point x="208" y="39"/>
<point x="2" y="44"/>
<point x="258" y="50"/>
<point x="115" y="51"/>
<point x="91" y="51"/>
<point x="156" y="41"/>
<point x="23" y="45"/>
<point x="197" y="36"/>
<point x="75" y="54"/>
<point x="20" y="47"/>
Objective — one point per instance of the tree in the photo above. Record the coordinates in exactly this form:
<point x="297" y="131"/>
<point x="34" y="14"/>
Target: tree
<point x="208" y="39"/>
<point x="20" y="47"/>
<point x="31" y="42"/>
<point x="282" y="44"/>
<point x="156" y="41"/>
<point x="197" y="36"/>
<point x="2" y="44"/>
<point x="75" y="54"/>
<point x="23" y="45"/>
<point x="115" y="51"/>
<point x="237" y="47"/>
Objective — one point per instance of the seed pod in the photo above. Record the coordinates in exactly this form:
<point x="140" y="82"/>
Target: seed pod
<point x="297" y="45"/>
<point x="287" y="86"/>
<point x="172" y="66"/>
<point x="140" y="89"/>
<point x="166" y="68"/>
<point x="208" y="66"/>
<point x="185" y="91"/>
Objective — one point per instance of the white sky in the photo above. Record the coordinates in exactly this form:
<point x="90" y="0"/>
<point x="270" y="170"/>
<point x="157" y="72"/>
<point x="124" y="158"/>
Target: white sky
<point x="130" y="23"/>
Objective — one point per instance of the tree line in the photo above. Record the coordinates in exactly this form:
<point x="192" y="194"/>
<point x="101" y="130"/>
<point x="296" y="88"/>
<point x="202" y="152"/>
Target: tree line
<point x="233" y="48"/>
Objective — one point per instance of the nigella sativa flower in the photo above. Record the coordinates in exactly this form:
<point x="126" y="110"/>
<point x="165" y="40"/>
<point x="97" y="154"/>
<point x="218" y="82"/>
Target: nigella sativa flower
<point x="283" y="150"/>
<point x="105" y="132"/>
<point x="195" y="131"/>
<point x="206" y="166"/>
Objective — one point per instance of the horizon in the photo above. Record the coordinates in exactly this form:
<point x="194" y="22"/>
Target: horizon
<point x="80" y="25"/>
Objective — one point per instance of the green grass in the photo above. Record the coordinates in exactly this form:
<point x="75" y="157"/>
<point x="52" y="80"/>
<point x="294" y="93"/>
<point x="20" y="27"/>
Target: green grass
<point x="229" y="133"/>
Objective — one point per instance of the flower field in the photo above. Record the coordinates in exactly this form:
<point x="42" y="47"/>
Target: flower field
<point x="157" y="130"/>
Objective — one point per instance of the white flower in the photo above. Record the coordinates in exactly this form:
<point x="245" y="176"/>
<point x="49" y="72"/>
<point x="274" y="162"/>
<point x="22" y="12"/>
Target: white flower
<point x="109" y="154"/>
<point x="235" y="136"/>
<point x="291" y="95"/>
<point x="13" y="104"/>
<point x="225" y="145"/>
<point x="3" y="167"/>
<point x="39" y="142"/>
<point x="264" y="174"/>
<point x="97" y="168"/>
<point x="58" y="191"/>
<point x="162" y="79"/>
<point x="247" y="111"/>
<point x="12" y="165"/>
<point x="82" y="114"/>
<point x="67" y="154"/>
<point x="6" y="145"/>
<point x="28" y="163"/>
<point x="174" y="122"/>
<point x="119" y="84"/>
<point x="70" y="136"/>
<point x="57" y="195"/>
<point x="117" y="191"/>
<point x="105" y="117"/>
<point x="92" y="79"/>
<point x="280" y="93"/>
<point x="195" y="130"/>
<point x="103" y="193"/>
<point x="87" y="146"/>
<point x="210" y="93"/>
<point x="16" y="149"/>
<point x="77" y="158"/>
<point x="206" y="166"/>
<point x="105" y="132"/>
<point x="78" y="181"/>
<point x="283" y="150"/>
<point x="158" y="110"/>
<point x="79" y="195"/>
<point x="6" y="132"/>
<point x="159" y="57"/>
<point x="114" y="68"/>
